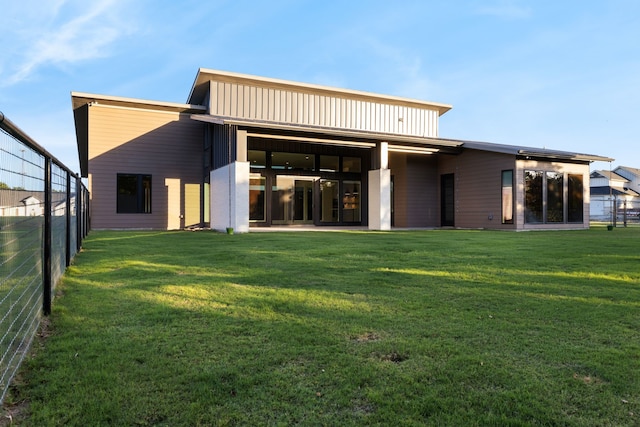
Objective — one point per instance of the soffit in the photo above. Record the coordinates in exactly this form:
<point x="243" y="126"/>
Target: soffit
<point x="333" y="135"/>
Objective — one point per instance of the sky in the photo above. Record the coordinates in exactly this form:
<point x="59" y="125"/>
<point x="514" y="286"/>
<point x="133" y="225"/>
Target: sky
<point x="563" y="75"/>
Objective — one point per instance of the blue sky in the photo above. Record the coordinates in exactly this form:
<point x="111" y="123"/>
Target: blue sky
<point x="557" y="74"/>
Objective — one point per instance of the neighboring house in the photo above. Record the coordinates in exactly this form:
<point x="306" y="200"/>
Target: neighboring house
<point x="614" y="192"/>
<point x="21" y="203"/>
<point x="248" y="151"/>
<point x="631" y="174"/>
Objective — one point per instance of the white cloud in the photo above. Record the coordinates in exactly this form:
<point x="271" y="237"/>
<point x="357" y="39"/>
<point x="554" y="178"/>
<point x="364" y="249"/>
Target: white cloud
<point x="65" y="33"/>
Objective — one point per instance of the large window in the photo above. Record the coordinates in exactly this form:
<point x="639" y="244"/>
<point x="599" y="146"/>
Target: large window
<point x="507" y="197"/>
<point x="575" y="198"/>
<point x="550" y="197"/>
<point x="134" y="193"/>
<point x="533" y="197"/>
<point x="555" y="196"/>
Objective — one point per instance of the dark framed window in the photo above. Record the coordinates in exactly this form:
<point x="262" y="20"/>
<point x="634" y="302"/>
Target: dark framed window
<point x="134" y="193"/>
<point x="555" y="197"/>
<point x="507" y="197"/>
<point x="575" y="190"/>
<point x="533" y="196"/>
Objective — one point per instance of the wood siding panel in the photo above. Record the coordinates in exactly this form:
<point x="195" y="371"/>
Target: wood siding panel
<point x="415" y="188"/>
<point x="422" y="184"/>
<point x="478" y="183"/>
<point x="398" y="166"/>
<point x="246" y="101"/>
<point x="167" y="146"/>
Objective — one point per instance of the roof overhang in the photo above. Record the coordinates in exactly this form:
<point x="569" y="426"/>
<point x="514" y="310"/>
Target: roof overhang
<point x="535" y="153"/>
<point x="200" y="87"/>
<point x="335" y="136"/>
<point x="563" y="155"/>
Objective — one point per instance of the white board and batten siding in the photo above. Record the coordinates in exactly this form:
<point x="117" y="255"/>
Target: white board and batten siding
<point x="322" y="109"/>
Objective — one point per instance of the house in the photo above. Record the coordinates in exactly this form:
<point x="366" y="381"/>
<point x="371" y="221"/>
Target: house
<point x="615" y="193"/>
<point x="14" y="203"/>
<point x="247" y="151"/>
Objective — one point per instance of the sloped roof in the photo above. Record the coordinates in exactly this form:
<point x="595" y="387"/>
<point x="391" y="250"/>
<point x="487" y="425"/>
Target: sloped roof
<point x="611" y="176"/>
<point x="518" y="150"/>
<point x="606" y="190"/>
<point x="633" y="171"/>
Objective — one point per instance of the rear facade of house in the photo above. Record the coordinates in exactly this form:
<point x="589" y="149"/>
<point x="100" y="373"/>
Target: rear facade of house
<point x="247" y="151"/>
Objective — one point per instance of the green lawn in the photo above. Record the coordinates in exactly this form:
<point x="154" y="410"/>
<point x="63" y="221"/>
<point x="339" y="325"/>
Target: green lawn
<point x="443" y="327"/>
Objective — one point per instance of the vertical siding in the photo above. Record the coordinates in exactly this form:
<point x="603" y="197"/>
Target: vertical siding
<point x="318" y="109"/>
<point x="168" y="146"/>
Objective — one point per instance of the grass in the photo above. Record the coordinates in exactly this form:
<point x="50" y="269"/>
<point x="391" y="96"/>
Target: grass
<point x="443" y="327"/>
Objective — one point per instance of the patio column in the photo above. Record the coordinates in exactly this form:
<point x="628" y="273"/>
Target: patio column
<point x="380" y="189"/>
<point x="230" y="191"/>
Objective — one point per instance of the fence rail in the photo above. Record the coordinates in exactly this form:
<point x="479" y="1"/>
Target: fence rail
<point x="43" y="219"/>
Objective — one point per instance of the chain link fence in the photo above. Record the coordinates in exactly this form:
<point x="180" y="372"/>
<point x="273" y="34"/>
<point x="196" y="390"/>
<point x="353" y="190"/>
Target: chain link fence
<point x="43" y="219"/>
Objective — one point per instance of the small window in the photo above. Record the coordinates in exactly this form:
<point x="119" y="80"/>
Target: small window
<point x="134" y="193"/>
<point x="257" y="159"/>
<point x="507" y="197"/>
<point x="292" y="161"/>
<point x="351" y="164"/>
<point x="329" y="163"/>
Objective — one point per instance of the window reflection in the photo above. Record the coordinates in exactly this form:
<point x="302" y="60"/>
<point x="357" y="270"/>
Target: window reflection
<point x="555" y="205"/>
<point x="575" y="199"/>
<point x="533" y="196"/>
<point x="507" y="197"/>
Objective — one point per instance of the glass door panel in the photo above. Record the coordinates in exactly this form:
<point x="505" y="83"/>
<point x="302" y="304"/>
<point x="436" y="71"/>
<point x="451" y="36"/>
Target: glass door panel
<point x="292" y="200"/>
<point x="303" y="201"/>
<point x="257" y="198"/>
<point x="351" y="201"/>
<point x="329" y="201"/>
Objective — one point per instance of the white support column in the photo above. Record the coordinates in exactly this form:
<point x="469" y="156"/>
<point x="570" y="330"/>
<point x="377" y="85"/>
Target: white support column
<point x="230" y="197"/>
<point x="380" y="190"/>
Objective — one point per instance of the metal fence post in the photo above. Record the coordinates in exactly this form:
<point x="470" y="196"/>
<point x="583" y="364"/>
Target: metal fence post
<point x="46" y="264"/>
<point x="67" y="246"/>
